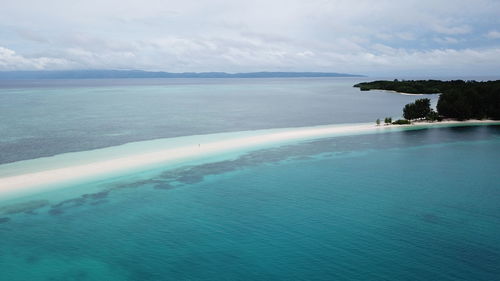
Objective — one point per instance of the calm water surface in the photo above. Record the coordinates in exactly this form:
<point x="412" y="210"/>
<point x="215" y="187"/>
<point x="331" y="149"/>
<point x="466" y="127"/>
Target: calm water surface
<point x="48" y="117"/>
<point x="411" y="205"/>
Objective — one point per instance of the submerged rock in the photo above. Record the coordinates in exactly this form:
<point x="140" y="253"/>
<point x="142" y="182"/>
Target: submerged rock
<point x="24" y="207"/>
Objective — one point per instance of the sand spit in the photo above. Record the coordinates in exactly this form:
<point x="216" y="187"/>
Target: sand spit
<point x="35" y="181"/>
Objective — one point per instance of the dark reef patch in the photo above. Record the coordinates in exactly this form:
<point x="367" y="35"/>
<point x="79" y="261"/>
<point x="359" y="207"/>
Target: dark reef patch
<point x="97" y="196"/>
<point x="193" y="174"/>
<point x="24" y="207"/>
<point x="56" y="211"/>
<point x="98" y="202"/>
<point x="89" y="198"/>
<point x="136" y="184"/>
<point x="190" y="178"/>
<point x="75" y="202"/>
<point x="163" y="186"/>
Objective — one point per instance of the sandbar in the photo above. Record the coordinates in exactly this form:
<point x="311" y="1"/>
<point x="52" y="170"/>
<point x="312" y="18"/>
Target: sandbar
<point x="36" y="181"/>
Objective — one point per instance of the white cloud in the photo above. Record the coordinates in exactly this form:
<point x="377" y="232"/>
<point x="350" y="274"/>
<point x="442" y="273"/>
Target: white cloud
<point x="493" y="34"/>
<point x="9" y="60"/>
<point x="406" y="36"/>
<point x="305" y="54"/>
<point x="220" y="35"/>
<point x="452" y="30"/>
<point x="428" y="63"/>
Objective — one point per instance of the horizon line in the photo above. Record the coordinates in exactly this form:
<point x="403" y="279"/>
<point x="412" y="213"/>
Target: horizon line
<point x="135" y="73"/>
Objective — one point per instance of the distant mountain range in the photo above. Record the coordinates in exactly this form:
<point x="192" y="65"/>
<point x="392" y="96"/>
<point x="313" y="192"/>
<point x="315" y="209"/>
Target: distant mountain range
<point x="100" y="74"/>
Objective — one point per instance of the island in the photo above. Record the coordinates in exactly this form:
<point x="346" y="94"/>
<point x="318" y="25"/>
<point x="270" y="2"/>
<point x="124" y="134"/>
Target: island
<point x="458" y="99"/>
<point x="119" y="74"/>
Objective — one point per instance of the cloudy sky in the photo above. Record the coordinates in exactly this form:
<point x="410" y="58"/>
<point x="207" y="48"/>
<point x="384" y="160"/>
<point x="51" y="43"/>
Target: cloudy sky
<point x="384" y="37"/>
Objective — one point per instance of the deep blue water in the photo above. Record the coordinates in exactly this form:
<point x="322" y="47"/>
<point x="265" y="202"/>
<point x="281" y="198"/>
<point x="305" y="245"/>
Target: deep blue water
<point x="411" y="205"/>
<point x="48" y="117"/>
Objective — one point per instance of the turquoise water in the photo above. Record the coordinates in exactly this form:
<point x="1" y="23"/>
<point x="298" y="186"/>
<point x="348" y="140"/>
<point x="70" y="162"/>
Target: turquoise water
<point x="410" y="205"/>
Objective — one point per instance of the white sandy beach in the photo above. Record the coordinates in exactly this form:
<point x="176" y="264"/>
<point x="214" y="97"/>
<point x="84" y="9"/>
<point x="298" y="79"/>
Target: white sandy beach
<point x="406" y="94"/>
<point x="31" y="182"/>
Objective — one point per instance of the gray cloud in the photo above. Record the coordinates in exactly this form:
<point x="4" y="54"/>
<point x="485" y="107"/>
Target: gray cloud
<point x="31" y="35"/>
<point x="386" y="37"/>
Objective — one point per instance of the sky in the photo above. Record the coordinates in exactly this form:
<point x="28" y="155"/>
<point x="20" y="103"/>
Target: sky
<point x="384" y="37"/>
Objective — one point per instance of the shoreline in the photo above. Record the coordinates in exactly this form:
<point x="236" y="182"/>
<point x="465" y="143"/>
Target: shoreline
<point x="405" y="94"/>
<point x="450" y="122"/>
<point x="174" y="151"/>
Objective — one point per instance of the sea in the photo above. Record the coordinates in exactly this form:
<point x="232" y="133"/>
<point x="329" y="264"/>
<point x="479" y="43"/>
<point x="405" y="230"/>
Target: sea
<point x="410" y="204"/>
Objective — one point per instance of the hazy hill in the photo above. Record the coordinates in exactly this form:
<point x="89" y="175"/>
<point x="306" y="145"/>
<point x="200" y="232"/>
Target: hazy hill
<point x="96" y="74"/>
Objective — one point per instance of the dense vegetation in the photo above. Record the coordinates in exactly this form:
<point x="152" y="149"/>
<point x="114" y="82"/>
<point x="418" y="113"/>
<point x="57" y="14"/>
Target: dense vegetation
<point x="411" y="86"/>
<point x="459" y="99"/>
<point x="417" y="110"/>
<point x="476" y="100"/>
<point x="401" y="122"/>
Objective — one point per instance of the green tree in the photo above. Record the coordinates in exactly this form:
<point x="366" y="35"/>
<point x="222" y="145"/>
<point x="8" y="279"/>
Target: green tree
<point x="388" y="120"/>
<point x="377" y="122"/>
<point x="401" y="122"/>
<point x="432" y="116"/>
<point x="409" y="111"/>
<point x="458" y="99"/>
<point x="417" y="110"/>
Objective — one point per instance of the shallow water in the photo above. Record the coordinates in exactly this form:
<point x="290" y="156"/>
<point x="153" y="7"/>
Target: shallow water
<point x="410" y="205"/>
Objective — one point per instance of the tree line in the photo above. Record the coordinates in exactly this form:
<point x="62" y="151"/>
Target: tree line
<point x="459" y="99"/>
